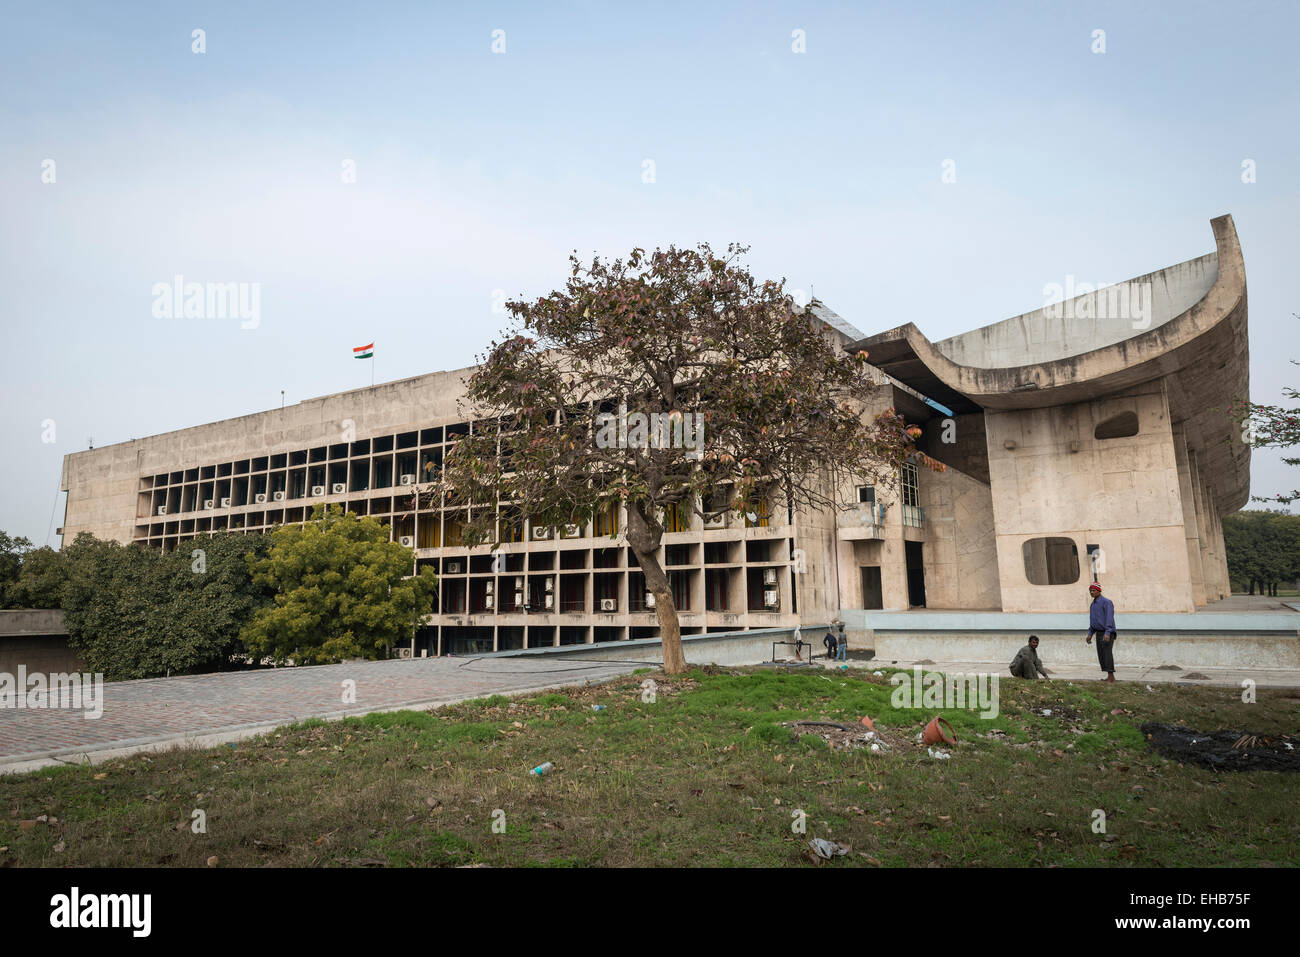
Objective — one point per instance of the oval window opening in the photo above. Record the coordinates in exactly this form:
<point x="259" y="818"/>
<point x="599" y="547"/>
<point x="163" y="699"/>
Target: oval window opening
<point x="1051" y="561"/>
<point x="1117" y="426"/>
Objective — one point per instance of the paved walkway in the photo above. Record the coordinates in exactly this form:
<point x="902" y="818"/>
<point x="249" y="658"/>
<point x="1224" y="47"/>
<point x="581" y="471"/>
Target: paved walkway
<point x="1146" y="674"/>
<point x="210" y="709"/>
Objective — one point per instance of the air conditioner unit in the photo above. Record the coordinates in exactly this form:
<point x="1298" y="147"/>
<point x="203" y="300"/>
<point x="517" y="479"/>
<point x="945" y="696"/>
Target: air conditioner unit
<point x="771" y="598"/>
<point x="550" y="584"/>
<point x="519" y="597"/>
<point x="609" y="604"/>
<point x="260" y="498"/>
<point x="548" y="602"/>
<point x="541" y="534"/>
<point x="338" y="488"/>
<point x="489" y="588"/>
<point x="453" y="568"/>
<point x="407" y="480"/>
<point x="162" y="509"/>
<point x="769" y="576"/>
<point x="649" y="599"/>
<point x="225" y="502"/>
<point x="318" y="490"/>
<point x="716" y="520"/>
<point x="278" y="496"/>
<point x="403" y="652"/>
<point x="488" y="602"/>
<point x="407" y="541"/>
<point x="208" y="503"/>
<point x="572" y="531"/>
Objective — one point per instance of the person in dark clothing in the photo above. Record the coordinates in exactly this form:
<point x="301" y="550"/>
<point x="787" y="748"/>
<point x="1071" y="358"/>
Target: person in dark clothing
<point x="830" y="643"/>
<point x="1026" y="663"/>
<point x="1101" y="622"/>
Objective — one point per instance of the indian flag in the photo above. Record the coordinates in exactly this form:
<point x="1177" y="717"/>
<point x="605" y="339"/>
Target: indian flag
<point x="363" y="352"/>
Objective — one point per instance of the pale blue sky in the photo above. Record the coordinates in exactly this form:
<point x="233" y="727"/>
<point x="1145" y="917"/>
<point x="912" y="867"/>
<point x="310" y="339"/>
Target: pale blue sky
<point x="479" y="171"/>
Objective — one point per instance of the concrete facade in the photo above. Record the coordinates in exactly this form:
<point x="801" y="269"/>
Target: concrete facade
<point x="1088" y="438"/>
<point x="1095" y="422"/>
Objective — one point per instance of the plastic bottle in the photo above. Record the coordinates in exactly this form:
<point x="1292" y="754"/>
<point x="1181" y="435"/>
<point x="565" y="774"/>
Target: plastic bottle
<point x="597" y="707"/>
<point x="542" y="769"/>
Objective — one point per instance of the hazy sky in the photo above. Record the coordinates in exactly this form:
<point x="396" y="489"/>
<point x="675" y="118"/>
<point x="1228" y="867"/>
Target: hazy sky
<point x="479" y="171"/>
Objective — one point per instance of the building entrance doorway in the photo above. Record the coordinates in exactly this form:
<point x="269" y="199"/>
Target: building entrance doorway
<point x="873" y="596"/>
<point x="915" y="575"/>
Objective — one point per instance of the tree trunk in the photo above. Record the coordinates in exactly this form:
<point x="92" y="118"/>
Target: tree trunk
<point x="644" y="536"/>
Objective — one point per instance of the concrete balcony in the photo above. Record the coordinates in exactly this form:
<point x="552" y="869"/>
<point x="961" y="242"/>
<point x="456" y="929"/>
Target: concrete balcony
<point x="865" y="521"/>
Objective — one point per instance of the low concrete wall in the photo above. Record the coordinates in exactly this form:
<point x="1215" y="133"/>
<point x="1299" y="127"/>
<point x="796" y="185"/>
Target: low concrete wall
<point x="32" y="621"/>
<point x="36" y="638"/>
<point x="1210" y="640"/>
<point x="43" y="654"/>
<point x="720" y="648"/>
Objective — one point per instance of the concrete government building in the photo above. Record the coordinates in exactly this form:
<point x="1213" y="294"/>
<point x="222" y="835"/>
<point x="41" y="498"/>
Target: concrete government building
<point x="1087" y="435"/>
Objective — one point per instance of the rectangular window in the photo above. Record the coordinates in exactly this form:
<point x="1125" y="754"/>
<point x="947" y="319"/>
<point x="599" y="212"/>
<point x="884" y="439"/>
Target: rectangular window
<point x="911" y="482"/>
<point x="867" y="494"/>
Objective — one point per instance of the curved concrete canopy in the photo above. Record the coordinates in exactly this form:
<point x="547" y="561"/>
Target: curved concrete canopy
<point x="1194" y="333"/>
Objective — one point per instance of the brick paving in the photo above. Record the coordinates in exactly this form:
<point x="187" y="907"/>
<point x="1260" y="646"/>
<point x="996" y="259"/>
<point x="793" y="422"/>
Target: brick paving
<point x="158" y="709"/>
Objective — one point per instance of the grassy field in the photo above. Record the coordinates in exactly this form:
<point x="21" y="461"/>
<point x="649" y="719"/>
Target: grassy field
<point x="703" y="775"/>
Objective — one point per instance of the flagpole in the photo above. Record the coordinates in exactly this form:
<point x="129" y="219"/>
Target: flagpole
<point x="372" y="368"/>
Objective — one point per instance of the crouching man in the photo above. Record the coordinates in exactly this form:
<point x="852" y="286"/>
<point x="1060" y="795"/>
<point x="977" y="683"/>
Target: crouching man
<point x="1026" y="663"/>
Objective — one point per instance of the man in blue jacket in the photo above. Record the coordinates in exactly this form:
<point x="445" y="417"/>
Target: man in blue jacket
<point x="1101" y="622"/>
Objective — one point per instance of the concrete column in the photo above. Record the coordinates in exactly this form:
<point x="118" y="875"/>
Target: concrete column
<point x="1190" y="523"/>
<point x="1202" y="516"/>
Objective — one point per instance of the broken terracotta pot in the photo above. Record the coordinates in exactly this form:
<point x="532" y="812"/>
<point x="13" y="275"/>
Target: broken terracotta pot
<point x="934" y="734"/>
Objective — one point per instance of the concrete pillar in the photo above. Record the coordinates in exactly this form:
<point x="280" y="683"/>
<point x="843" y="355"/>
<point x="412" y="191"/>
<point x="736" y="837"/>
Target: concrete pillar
<point x="1190" y="523"/>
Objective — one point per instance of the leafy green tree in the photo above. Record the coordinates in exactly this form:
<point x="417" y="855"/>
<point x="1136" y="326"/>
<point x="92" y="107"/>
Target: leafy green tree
<point x="758" y="408"/>
<point x="1262" y="549"/>
<point x="41" y="580"/>
<point x="134" y="612"/>
<point x="12" y="550"/>
<point x="341" y="591"/>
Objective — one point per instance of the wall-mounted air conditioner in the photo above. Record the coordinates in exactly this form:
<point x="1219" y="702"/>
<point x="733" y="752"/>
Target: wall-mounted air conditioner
<point x="550" y="584"/>
<point x="407" y="541"/>
<point x="769" y="576"/>
<point x="453" y="568"/>
<point x="489" y="588"/>
<point x="572" y="531"/>
<point x="278" y="496"/>
<point x="541" y="534"/>
<point x="715" y="520"/>
<point x="488" y="602"/>
<point x="548" y="602"/>
<point x="771" y="598"/>
<point x="317" y="490"/>
<point x="609" y="604"/>
<point x="260" y="498"/>
<point x="519" y="597"/>
<point x="407" y="480"/>
<point x="162" y="509"/>
<point x="225" y="502"/>
<point x="208" y="503"/>
<point x="649" y="599"/>
<point x="402" y="652"/>
<point x="338" y="488"/>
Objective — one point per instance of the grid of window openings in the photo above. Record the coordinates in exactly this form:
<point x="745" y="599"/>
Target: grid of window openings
<point x="543" y="586"/>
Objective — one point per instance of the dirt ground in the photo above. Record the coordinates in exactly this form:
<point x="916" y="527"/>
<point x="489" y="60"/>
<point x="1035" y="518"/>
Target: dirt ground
<point x="1225" y="750"/>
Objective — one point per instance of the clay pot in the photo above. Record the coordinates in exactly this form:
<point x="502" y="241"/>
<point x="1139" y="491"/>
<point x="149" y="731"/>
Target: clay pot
<point x="934" y="734"/>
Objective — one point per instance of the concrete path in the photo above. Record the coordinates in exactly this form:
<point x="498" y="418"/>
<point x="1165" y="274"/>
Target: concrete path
<point x="203" y="710"/>
<point x="1146" y="674"/>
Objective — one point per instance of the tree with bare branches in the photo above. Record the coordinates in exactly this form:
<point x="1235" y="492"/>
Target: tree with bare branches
<point x="670" y="382"/>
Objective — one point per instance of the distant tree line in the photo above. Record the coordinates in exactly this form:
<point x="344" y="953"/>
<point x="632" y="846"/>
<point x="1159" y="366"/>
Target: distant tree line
<point x="1263" y="550"/>
<point x="333" y="589"/>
